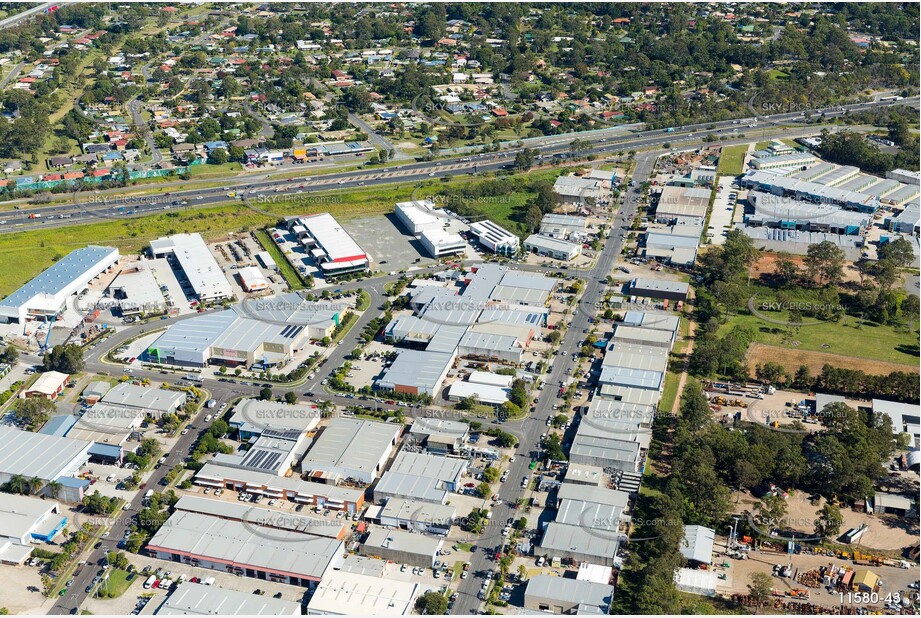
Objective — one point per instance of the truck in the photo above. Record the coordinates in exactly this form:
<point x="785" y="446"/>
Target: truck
<point x="148" y="496"/>
<point x="211" y="403"/>
<point x="150" y="582"/>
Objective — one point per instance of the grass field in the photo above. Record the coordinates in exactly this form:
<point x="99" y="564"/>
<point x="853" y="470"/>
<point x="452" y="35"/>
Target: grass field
<point x="669" y="392"/>
<point x="731" y="159"/>
<point x="117" y="584"/>
<point x="846" y="338"/>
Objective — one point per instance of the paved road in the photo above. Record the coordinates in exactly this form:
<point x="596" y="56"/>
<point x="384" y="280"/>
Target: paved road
<point x="532" y="428"/>
<point x="15" y="19"/>
<point x="13" y="73"/>
<point x="89" y="206"/>
<point x="377" y="139"/>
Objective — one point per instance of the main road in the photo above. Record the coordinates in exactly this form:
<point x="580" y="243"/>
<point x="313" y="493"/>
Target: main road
<point x="120" y="203"/>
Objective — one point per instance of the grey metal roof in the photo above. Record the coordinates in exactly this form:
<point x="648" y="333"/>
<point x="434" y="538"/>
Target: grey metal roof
<point x="193" y="599"/>
<point x="243" y="511"/>
<point x="571" y="591"/>
<point x="636" y="356"/>
<point x="144" y="397"/>
<point x="402" y="541"/>
<point x="424" y="488"/>
<point x="352" y="443"/>
<point x="550" y="244"/>
<point x="578" y="540"/>
<point x="697" y="544"/>
<point x="604" y="448"/>
<point x="195" y="335"/>
<point x="645" y="283"/>
<point x="77" y="264"/>
<point x="652" y="319"/>
<point x="625" y="376"/>
<point x="588" y="493"/>
<point x="422" y="512"/>
<point x="213" y="471"/>
<point x="421" y="369"/>
<point x="246" y="545"/>
<point x="449" y="469"/>
<point x="35" y="454"/>
<point x="593" y="515"/>
<point x="488" y="341"/>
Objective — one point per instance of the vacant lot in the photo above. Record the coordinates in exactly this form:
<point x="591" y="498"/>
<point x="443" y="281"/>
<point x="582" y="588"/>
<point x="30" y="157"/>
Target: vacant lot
<point x="731" y="159"/>
<point x="792" y="358"/>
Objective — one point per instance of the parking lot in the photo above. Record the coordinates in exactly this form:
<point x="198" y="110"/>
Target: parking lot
<point x="384" y="240"/>
<point x="724" y="207"/>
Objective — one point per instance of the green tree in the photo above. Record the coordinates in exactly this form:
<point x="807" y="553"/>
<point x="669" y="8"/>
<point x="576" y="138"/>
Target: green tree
<point x="290" y="398"/>
<point x="432" y="603"/>
<point x="484" y="490"/>
<point x="491" y="475"/>
<point x="760" y="587"/>
<point x="265" y="393"/>
<point x="828" y="521"/>
<point x="825" y="263"/>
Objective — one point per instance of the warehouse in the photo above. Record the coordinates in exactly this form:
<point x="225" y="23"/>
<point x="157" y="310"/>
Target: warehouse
<point x="487" y="346"/>
<point x="628" y="395"/>
<point x="420" y="477"/>
<point x="697" y="544"/>
<point x="439" y="435"/>
<point x="25" y="520"/>
<point x="107" y="424"/>
<point x="575" y="190"/>
<point x="245" y="548"/>
<point x="907" y="177"/>
<point x="765" y="161"/>
<point x="417" y="372"/>
<point x="428" y="517"/>
<point x="792" y="214"/>
<point x="810" y="191"/>
<point x="676" y="244"/>
<point x="520" y="288"/>
<point x="137" y="292"/>
<point x="439" y="243"/>
<point x="273" y="452"/>
<point x="486" y="394"/>
<point x="657" y="288"/>
<point x="681" y="205"/>
<point x="333" y="250"/>
<point x="155" y="402"/>
<point x="905" y="418"/>
<point x="579" y="544"/>
<point x="344" y="593"/>
<point x="908" y="221"/>
<point x="329" y="527"/>
<point x="696" y="581"/>
<point x="351" y="449"/>
<point x="46" y="295"/>
<point x="552" y="247"/>
<point x="605" y="518"/>
<point x="95" y="391"/>
<point x="559" y="595"/>
<point x="418" y="217"/>
<point x="893" y="504"/>
<point x="253" y="416"/>
<point x="652" y="320"/>
<point x="631" y="378"/>
<point x="582" y="474"/>
<point x="563" y="227"/>
<point x="625" y="334"/>
<point x="342" y="498"/>
<point x="403" y="547"/>
<point x="621" y="455"/>
<point x="265" y="260"/>
<point x="195" y="599"/>
<point x="495" y="238"/>
<point x="35" y="455"/>
<point x="252" y="279"/>
<point x="621" y="353"/>
<point x="48" y="385"/>
<point x="191" y="255"/>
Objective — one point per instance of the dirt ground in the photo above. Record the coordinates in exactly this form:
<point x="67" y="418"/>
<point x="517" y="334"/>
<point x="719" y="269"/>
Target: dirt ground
<point x="766" y="265"/>
<point x="759" y="353"/>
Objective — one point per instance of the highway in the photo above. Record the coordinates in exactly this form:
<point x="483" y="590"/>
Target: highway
<point x="118" y="203"/>
<point x="15" y="19"/>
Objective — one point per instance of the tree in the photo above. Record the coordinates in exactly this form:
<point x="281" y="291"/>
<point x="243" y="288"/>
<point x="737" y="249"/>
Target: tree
<point x="828" y="521"/>
<point x="218" y="156"/>
<point x="524" y="159"/>
<point x="898" y="251"/>
<point x="265" y="393"/>
<point x="484" y="490"/>
<point x="760" y="587"/>
<point x="432" y="603"/>
<point x="771" y="510"/>
<point x="64" y="358"/>
<point x="33" y="411"/>
<point x="491" y="475"/>
<point x="290" y="398"/>
<point x="694" y="408"/>
<point x="10" y="355"/>
<point x="521" y="523"/>
<point x="825" y="263"/>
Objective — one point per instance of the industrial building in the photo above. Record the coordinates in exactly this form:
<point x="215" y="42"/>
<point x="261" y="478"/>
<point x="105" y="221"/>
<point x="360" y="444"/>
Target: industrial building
<point x="417" y="372"/>
<point x="268" y="332"/>
<point x="905" y="418"/>
<point x="422" y="477"/>
<point x="420" y="216"/>
<point x="439" y="435"/>
<point x="658" y="288"/>
<point x="196" y="599"/>
<point x="46" y="295"/>
<point x="346" y="593"/>
<point x="48" y="385"/>
<point x="697" y="544"/>
<point x="908" y="221"/>
<point x="331" y="248"/>
<point x="795" y="214"/>
<point x="95" y="391"/>
<point x="427" y="517"/>
<point x="563" y="227"/>
<point x="41" y="456"/>
<point x="682" y="205"/>
<point x="576" y="190"/>
<point x="265" y="260"/>
<point x="492" y="347"/>
<point x="273" y="452"/>
<point x="439" y="243"/>
<point x="329" y="527"/>
<point x="154" y="402"/>
<point x="191" y="255"/>
<point x="105" y="424"/>
<point x="487" y="394"/>
<point x="337" y="497"/>
<point x="253" y="416"/>
<point x="252" y="279"/>
<point x="136" y="290"/>
<point x="559" y="595"/>
<point x="245" y="548"/>
<point x="578" y="543"/>
<point x="675" y="244"/>
<point x="403" y="547"/>
<point x="350" y="449"/>
<point x="907" y="177"/>
<point x="807" y="190"/>
<point x="793" y="160"/>
<point x="552" y="247"/>
<point x="25" y="520"/>
<point x="495" y="237"/>
<point x="623" y="455"/>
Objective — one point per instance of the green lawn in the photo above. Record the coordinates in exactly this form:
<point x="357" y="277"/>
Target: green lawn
<point x="669" y="392"/>
<point x="731" y="159"/>
<point x="880" y="343"/>
<point x="284" y="266"/>
<point x="117" y="583"/>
